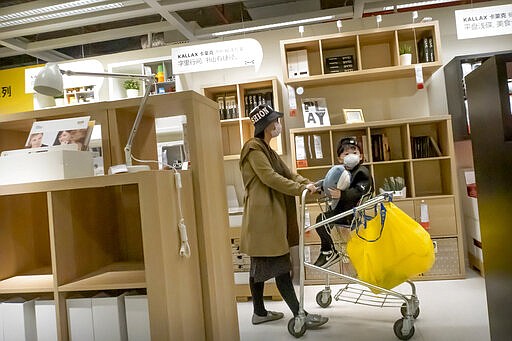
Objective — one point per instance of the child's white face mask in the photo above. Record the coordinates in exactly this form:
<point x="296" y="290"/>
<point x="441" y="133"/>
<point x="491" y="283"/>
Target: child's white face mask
<point x="277" y="129"/>
<point x="351" y="160"/>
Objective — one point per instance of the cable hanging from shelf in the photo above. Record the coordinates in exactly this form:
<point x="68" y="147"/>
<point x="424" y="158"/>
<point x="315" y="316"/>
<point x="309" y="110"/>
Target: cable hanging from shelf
<point x="182" y="227"/>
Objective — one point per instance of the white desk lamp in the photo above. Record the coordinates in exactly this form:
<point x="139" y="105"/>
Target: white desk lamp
<point x="49" y="82"/>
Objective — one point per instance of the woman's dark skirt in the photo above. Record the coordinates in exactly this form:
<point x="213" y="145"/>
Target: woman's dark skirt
<point x="265" y="268"/>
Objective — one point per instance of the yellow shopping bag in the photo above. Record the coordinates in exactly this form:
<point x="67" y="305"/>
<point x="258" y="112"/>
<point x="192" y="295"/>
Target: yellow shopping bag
<point x="392" y="248"/>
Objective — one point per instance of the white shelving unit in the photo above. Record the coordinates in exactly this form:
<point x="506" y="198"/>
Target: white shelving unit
<point x="141" y="66"/>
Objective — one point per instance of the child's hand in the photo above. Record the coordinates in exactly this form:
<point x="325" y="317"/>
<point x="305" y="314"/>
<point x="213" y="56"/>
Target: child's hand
<point x="334" y="193"/>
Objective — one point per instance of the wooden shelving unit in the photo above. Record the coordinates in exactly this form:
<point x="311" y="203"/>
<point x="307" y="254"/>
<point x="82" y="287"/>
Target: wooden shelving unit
<point x="375" y="54"/>
<point x="236" y="126"/>
<point x="431" y="180"/>
<point x="120" y="232"/>
<point x="145" y="67"/>
<point x="236" y="129"/>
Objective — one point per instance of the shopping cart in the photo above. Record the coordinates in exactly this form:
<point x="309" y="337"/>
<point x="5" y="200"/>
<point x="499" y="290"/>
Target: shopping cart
<point x="356" y="290"/>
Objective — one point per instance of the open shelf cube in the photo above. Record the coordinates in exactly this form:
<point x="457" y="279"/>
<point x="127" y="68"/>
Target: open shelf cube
<point x="25" y="253"/>
<point x="95" y="228"/>
<point x="432" y="177"/>
<point x="316" y="149"/>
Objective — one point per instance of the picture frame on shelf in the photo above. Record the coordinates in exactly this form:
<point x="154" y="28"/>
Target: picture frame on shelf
<point x="353" y="116"/>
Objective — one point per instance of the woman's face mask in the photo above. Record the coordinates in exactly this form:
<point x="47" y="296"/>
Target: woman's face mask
<point x="277" y="129"/>
<point x="351" y="160"/>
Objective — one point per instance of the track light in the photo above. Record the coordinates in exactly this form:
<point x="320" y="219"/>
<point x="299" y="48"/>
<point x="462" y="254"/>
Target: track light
<point x="339" y="25"/>
<point x="276" y="25"/>
<point x="414" y="16"/>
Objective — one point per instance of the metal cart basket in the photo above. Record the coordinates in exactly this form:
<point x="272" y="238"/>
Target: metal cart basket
<point x="356" y="290"/>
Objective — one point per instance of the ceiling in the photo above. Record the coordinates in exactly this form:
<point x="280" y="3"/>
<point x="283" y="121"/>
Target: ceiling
<point x="39" y="31"/>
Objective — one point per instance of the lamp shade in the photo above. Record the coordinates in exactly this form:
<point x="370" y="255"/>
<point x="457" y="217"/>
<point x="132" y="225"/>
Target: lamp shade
<point x="49" y="81"/>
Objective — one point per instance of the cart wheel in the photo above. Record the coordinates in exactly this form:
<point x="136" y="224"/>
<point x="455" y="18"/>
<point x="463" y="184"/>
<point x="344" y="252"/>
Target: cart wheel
<point x="291" y="328"/>
<point x="403" y="310"/>
<point x="323" y="300"/>
<point x="397" y="328"/>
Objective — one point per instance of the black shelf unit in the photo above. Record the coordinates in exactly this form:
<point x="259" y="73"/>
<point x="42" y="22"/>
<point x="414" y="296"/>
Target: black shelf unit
<point x="456" y="91"/>
<point x="489" y="99"/>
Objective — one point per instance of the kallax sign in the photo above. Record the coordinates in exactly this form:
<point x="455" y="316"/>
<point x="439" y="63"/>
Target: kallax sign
<point x="215" y="56"/>
<point x="484" y="22"/>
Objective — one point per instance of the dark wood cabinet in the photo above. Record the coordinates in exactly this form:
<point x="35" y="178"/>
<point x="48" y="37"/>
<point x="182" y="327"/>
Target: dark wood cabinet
<point x="454" y="75"/>
<point x="489" y="99"/>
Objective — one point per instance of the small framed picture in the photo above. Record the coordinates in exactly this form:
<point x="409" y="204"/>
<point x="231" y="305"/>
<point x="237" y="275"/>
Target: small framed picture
<point x="353" y="115"/>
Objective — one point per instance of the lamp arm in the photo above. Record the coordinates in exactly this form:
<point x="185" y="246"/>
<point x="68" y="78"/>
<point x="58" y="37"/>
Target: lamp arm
<point x="138" y="118"/>
<point x="148" y="78"/>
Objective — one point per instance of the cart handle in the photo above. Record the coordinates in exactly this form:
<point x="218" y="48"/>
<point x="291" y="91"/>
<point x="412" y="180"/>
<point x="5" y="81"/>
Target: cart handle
<point x="370" y="203"/>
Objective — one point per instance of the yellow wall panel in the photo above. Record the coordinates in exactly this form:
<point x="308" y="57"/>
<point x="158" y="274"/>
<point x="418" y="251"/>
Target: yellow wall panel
<point x="13" y="98"/>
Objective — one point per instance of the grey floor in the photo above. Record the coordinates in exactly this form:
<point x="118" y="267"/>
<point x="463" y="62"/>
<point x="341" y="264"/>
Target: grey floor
<point x="450" y="310"/>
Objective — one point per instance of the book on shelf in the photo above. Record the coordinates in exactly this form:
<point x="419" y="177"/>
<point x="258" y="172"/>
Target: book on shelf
<point x="297" y="63"/>
<point x="364" y="148"/>
<point x="228" y="107"/>
<point x="315" y="112"/>
<point x="222" y="107"/>
<point x="424" y="146"/>
<point x="380" y="147"/>
<point x="426" y="50"/>
<point x="253" y="99"/>
<point x="231" y="107"/>
<point x="431" y="49"/>
<point x="339" y="64"/>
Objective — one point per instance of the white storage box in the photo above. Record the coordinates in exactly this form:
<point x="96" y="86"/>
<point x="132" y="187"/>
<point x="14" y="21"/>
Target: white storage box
<point x="50" y="165"/>
<point x="80" y="323"/>
<point x="46" y="320"/>
<point x="137" y="317"/>
<point x="19" y="320"/>
<point x="109" y="319"/>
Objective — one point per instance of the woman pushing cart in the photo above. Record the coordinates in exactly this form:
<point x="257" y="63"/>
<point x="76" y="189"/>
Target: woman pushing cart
<point x="372" y="235"/>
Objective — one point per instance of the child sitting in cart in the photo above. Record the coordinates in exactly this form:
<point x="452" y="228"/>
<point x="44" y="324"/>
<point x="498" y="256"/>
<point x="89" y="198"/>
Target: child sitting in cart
<point x="345" y="184"/>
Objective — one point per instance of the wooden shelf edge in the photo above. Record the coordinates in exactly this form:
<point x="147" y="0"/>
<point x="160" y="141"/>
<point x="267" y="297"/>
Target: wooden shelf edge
<point x="372" y="124"/>
<point x="366" y="75"/>
<point x="126" y="275"/>
<point x="27" y="284"/>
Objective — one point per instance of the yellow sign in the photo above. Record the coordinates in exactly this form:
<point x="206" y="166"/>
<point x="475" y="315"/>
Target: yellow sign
<point x="13" y="98"/>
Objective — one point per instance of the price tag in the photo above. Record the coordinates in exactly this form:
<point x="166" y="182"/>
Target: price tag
<point x="419" y="76"/>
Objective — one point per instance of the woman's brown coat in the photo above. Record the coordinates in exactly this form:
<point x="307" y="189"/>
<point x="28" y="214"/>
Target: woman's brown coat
<point x="269" y="225"/>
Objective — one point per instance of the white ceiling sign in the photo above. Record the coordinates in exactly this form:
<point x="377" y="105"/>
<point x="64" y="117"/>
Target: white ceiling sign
<point x="215" y="56"/>
<point x="484" y="21"/>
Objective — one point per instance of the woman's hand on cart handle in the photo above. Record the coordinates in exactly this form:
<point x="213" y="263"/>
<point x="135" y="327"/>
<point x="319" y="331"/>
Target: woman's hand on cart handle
<point x="311" y="188"/>
<point x="334" y="193"/>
